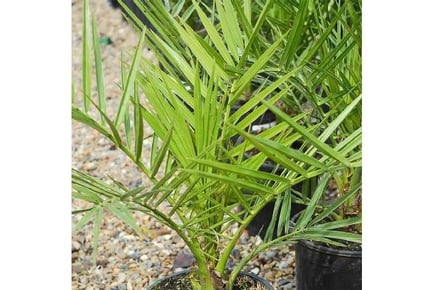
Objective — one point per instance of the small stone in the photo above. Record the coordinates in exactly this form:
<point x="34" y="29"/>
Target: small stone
<point x="286" y="285"/>
<point x="77" y="268"/>
<point x="269" y="276"/>
<point x="266" y="256"/>
<point x="180" y="244"/>
<point x="255" y="270"/>
<point x="83" y="280"/>
<point x="244" y="240"/>
<point x="121" y="255"/>
<point x="166" y="237"/>
<point x="102" y="261"/>
<point x="278" y="274"/>
<point x="183" y="260"/>
<point x="133" y="254"/>
<point x="134" y="276"/>
<point x="121" y="277"/>
<point x="164" y="253"/>
<point x="282" y="265"/>
<point x="235" y="253"/>
<point x="89" y="166"/>
<point x="76" y="245"/>
<point x="291" y="260"/>
<point x="132" y="266"/>
<point x="123" y="268"/>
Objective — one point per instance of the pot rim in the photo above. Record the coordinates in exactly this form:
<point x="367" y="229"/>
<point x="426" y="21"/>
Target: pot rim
<point x="323" y="248"/>
<point x="329" y="250"/>
<point x="264" y="282"/>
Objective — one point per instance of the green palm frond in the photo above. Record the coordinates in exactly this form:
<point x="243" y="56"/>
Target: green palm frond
<point x="262" y="51"/>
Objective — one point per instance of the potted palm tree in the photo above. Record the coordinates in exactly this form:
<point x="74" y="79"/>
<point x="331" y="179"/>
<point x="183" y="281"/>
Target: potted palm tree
<point x="198" y="181"/>
<point x="330" y="87"/>
<point x="333" y="78"/>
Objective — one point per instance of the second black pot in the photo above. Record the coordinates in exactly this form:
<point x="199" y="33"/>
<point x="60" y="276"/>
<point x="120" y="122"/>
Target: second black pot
<point x="319" y="267"/>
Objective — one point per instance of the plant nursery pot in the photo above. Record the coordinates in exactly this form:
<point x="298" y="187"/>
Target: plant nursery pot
<point x="136" y="11"/>
<point x="319" y="267"/>
<point x="244" y="281"/>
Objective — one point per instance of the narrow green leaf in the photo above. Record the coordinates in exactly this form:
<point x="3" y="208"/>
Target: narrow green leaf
<point x="122" y="212"/>
<point x="98" y="69"/>
<point x="241" y="170"/>
<point x="276" y="156"/>
<point x="85" y="219"/>
<point x="340" y="224"/>
<point x="250" y="185"/>
<point x="307" y="214"/>
<point x="295" y="35"/>
<point x="350" y="143"/>
<point x="213" y="34"/>
<point x="91" y="185"/>
<point x="230" y="27"/>
<point x="174" y="57"/>
<point x="339" y="119"/>
<point x="284" y="223"/>
<point x="123" y="106"/>
<point x="89" y="196"/>
<point x="127" y="126"/>
<point x="253" y="35"/>
<point x="202" y="52"/>
<point x="241" y="83"/>
<point x="86" y="57"/>
<point x="162" y="153"/>
<point x="322" y="146"/>
<point x="177" y="8"/>
<point x="138" y="125"/>
<point x="82" y="117"/>
<point x="116" y="134"/>
<point x="338" y="203"/>
<point x="73" y="91"/>
<point x="96" y="231"/>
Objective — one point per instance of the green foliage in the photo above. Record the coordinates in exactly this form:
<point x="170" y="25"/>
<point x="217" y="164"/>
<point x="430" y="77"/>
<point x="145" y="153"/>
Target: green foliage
<point x="186" y="99"/>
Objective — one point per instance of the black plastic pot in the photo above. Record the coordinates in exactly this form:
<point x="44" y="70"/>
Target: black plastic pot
<point x="172" y="282"/>
<point x="319" y="267"/>
<point x="136" y="10"/>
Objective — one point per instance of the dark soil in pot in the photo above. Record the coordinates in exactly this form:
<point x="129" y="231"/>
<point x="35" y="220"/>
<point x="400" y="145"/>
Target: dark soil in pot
<point x="181" y="280"/>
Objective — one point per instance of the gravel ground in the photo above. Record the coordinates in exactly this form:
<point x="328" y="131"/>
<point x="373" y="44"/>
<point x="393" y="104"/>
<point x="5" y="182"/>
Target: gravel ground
<point x="126" y="261"/>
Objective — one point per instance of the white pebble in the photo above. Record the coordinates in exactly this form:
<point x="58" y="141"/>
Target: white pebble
<point x="121" y="277"/>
